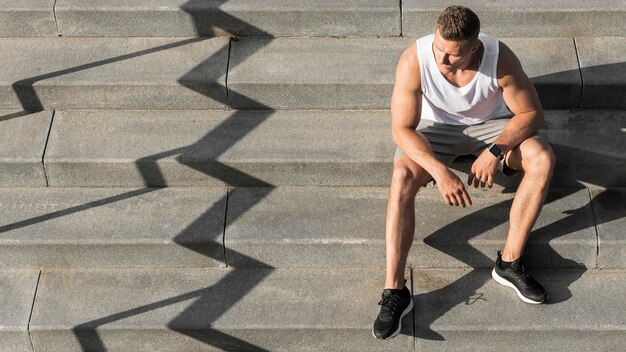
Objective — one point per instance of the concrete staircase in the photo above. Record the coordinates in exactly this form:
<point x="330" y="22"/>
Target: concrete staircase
<point x="212" y="176"/>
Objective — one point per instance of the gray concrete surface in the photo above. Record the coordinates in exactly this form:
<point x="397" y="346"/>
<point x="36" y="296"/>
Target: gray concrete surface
<point x="311" y="73"/>
<point x="81" y="227"/>
<point x="610" y="210"/>
<point x="589" y="145"/>
<point x="553" y="68"/>
<point x="210" y="309"/>
<point x="468" y="311"/>
<point x="232" y="17"/>
<point x="22" y="141"/>
<point x="314" y="73"/>
<point x="17" y="292"/>
<point x="603" y="68"/>
<point x="307" y="227"/>
<point x="135" y="148"/>
<point x="219" y="147"/>
<point x="534" y="18"/>
<point x="345" y="227"/>
<point x="298" y="148"/>
<point x="564" y="235"/>
<point x="27" y="18"/>
<point x="113" y="73"/>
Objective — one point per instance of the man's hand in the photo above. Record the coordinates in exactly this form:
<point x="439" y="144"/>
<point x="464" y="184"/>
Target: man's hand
<point x="452" y="189"/>
<point x="483" y="170"/>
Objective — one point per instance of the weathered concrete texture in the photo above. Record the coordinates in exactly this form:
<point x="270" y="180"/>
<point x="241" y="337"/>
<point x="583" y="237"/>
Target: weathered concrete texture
<point x="17" y="292"/>
<point x="306" y="227"/>
<point x="211" y="310"/>
<point x="468" y="311"/>
<point x="589" y="147"/>
<point x="603" y="68"/>
<point x="349" y="73"/>
<point x="534" y="18"/>
<point x="345" y="227"/>
<point x="324" y="73"/>
<point x="22" y="141"/>
<point x="232" y="17"/>
<point x="301" y="148"/>
<point x="80" y="227"/>
<point x="113" y="73"/>
<point x="218" y="147"/>
<point x="609" y="207"/>
<point x="27" y="18"/>
<point x="298" y="148"/>
<point x="446" y="237"/>
<point x="553" y="68"/>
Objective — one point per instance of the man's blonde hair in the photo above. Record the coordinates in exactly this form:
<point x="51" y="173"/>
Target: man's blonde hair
<point x="458" y="23"/>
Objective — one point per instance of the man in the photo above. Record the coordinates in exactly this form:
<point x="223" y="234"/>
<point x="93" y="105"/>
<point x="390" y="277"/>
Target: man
<point x="461" y="92"/>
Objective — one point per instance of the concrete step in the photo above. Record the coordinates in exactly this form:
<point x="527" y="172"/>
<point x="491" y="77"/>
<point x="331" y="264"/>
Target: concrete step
<point x="610" y="211"/>
<point x="17" y="293"/>
<point x="293" y="228"/>
<point x="265" y="73"/>
<point x="310" y="73"/>
<point x="468" y="311"/>
<point x="229" y="17"/>
<point x="533" y="18"/>
<point x="113" y="73"/>
<point x="603" y="71"/>
<point x="210" y="310"/>
<point x="304" y="310"/>
<point x="288" y="148"/>
<point x="101" y="227"/>
<point x="23" y="139"/>
<point x="27" y="18"/>
<point x="345" y="227"/>
<point x="560" y="18"/>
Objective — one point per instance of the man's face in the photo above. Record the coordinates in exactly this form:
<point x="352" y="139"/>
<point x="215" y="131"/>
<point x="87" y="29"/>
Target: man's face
<point x="452" y="55"/>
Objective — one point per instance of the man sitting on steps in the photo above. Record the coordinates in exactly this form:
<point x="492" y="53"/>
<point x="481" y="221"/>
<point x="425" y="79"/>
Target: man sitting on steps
<point x="461" y="92"/>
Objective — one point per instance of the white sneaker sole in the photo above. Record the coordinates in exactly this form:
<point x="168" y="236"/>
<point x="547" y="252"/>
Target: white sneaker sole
<point x="395" y="333"/>
<point x="502" y="281"/>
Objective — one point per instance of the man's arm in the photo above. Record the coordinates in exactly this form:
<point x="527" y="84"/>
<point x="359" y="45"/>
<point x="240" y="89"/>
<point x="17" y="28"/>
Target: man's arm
<point x="405" y="116"/>
<point x="521" y="97"/>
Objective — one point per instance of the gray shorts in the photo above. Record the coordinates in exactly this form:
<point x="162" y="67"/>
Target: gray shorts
<point x="451" y="141"/>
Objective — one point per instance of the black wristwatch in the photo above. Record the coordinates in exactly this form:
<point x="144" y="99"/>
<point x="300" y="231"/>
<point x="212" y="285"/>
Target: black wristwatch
<point x="496" y="151"/>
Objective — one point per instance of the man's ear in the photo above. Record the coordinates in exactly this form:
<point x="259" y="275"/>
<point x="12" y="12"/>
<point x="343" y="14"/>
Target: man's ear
<point x="475" y="46"/>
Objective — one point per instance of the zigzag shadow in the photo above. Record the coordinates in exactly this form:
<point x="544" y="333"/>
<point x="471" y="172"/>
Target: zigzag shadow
<point x="468" y="285"/>
<point x="473" y="225"/>
<point x="87" y="333"/>
<point x="238" y="288"/>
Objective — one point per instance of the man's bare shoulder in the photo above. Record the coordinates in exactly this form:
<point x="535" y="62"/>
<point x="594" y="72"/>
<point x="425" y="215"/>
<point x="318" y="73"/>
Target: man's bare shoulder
<point x="408" y="69"/>
<point x="509" y="66"/>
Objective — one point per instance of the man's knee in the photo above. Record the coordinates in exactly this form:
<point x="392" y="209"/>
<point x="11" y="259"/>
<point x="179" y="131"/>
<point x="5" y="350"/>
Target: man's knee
<point x="540" y="158"/>
<point x="407" y="178"/>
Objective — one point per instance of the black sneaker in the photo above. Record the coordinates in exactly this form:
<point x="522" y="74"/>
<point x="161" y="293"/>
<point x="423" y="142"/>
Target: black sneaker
<point x="516" y="277"/>
<point x="395" y="304"/>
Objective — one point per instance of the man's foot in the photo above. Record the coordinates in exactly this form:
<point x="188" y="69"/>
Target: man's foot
<point x="395" y="304"/>
<point x="514" y="275"/>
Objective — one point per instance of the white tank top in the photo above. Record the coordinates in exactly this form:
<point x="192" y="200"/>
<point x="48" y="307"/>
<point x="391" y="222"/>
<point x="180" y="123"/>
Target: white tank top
<point x="478" y="101"/>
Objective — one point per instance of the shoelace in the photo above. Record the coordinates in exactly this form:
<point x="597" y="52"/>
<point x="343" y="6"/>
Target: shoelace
<point x="389" y="304"/>
<point x="525" y="278"/>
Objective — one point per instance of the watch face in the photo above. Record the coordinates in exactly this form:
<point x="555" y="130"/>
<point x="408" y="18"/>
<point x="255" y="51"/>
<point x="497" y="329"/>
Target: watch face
<point x="495" y="150"/>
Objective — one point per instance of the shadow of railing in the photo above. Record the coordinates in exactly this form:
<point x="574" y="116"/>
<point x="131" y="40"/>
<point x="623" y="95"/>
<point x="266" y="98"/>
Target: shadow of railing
<point x="87" y="333"/>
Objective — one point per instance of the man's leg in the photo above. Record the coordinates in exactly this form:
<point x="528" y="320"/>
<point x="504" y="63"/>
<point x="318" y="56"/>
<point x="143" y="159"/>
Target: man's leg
<point x="535" y="157"/>
<point x="396" y="300"/>
<point x="406" y="179"/>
